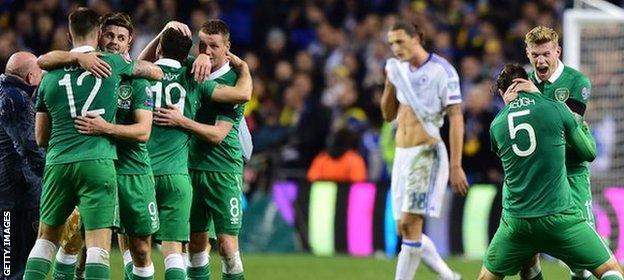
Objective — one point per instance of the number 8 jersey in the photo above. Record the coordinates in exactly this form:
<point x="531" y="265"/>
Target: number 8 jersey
<point x="168" y="146"/>
<point x="69" y="92"/>
<point x="530" y="135"/>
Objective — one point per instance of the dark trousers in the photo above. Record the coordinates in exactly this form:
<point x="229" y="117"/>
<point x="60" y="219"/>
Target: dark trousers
<point x="19" y="232"/>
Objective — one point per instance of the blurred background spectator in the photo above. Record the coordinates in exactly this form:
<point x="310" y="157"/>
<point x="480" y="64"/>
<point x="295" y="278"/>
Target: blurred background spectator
<point x="339" y="162"/>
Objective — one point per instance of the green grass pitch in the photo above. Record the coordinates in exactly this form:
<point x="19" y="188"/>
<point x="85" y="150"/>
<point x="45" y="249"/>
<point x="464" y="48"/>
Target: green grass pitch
<point x="308" y="267"/>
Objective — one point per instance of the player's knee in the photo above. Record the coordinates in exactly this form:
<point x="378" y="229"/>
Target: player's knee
<point x="50" y="233"/>
<point x="141" y="251"/>
<point x="609" y="266"/>
<point x="409" y="229"/>
<point x="198" y="243"/>
<point x="487" y="275"/>
<point x="228" y="245"/>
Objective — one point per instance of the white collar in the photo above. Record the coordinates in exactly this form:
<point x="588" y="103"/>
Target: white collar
<point x="83" y="49"/>
<point x="555" y="75"/>
<point x="168" y="62"/>
<point x="221" y="71"/>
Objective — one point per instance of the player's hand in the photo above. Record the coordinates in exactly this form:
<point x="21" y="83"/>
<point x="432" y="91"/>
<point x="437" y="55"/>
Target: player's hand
<point x="92" y="125"/>
<point x="180" y="27"/>
<point x="170" y="116"/>
<point x="525" y="85"/>
<point x="236" y="61"/>
<point x="201" y="68"/>
<point x="459" y="181"/>
<point x="510" y="94"/>
<point x="92" y="63"/>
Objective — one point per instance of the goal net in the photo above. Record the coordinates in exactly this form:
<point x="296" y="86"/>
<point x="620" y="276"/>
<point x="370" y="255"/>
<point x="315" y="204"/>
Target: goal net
<point x="594" y="44"/>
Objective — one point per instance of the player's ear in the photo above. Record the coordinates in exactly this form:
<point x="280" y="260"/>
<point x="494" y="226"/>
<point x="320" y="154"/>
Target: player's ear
<point x="558" y="51"/>
<point x="158" y="50"/>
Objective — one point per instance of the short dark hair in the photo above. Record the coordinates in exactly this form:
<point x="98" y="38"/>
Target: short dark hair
<point x="119" y="19"/>
<point x="83" y="21"/>
<point x="509" y="73"/>
<point x="409" y="28"/>
<point x="175" y="45"/>
<point x="216" y="26"/>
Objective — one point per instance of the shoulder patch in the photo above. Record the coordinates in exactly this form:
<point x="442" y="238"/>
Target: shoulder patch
<point x="585" y="92"/>
<point x="453" y="85"/>
<point x="562" y="94"/>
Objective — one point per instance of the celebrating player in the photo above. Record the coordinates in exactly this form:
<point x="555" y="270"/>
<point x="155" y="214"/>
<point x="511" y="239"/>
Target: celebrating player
<point x="79" y="168"/>
<point x="539" y="215"/>
<point x="420" y="88"/>
<point x="564" y="84"/>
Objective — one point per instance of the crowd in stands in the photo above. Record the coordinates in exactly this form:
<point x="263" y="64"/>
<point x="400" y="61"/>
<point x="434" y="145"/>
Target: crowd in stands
<point x="318" y="69"/>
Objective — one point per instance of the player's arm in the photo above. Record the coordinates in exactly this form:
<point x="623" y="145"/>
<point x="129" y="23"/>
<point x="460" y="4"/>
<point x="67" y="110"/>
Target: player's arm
<point x="149" y="52"/>
<point x="209" y="133"/>
<point x="241" y="92"/>
<point x="137" y="132"/>
<point x="89" y="61"/>
<point x="171" y="116"/>
<point x="147" y="70"/>
<point x="43" y="128"/>
<point x="578" y="135"/>
<point x="43" y="125"/>
<point x="389" y="102"/>
<point x="456" y="139"/>
<point x="583" y="143"/>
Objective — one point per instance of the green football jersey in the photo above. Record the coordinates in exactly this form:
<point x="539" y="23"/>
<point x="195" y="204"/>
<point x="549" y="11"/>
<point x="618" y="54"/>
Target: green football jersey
<point x="572" y="87"/>
<point x="169" y="146"/>
<point x="529" y="135"/>
<point x="69" y="92"/>
<point x="132" y="94"/>
<point x="227" y="156"/>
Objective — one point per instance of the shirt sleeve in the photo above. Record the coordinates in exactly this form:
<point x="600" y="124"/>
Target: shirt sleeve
<point x="141" y="95"/>
<point x="228" y="112"/>
<point x="579" y="95"/>
<point x="120" y="66"/>
<point x="493" y="145"/>
<point x="206" y="89"/>
<point x="448" y="87"/>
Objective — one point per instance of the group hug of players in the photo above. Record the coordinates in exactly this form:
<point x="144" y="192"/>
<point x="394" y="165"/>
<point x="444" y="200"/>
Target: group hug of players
<point x="148" y="146"/>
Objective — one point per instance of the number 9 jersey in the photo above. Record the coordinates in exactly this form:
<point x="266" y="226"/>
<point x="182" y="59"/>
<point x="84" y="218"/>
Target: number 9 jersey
<point x="69" y="92"/>
<point x="530" y="135"/>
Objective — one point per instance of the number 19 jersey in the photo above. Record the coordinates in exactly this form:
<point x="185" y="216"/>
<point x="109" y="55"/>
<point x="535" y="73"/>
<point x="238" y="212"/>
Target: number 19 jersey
<point x="69" y="92"/>
<point x="529" y="137"/>
<point x="168" y="146"/>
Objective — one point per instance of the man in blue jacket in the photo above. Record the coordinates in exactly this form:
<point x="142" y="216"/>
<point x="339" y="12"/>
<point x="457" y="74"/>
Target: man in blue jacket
<point x="21" y="163"/>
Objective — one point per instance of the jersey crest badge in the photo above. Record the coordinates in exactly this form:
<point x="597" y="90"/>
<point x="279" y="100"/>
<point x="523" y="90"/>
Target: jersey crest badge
<point x="124" y="92"/>
<point x="562" y="94"/>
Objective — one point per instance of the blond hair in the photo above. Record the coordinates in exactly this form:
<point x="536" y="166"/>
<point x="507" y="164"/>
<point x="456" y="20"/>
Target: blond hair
<point x="540" y="35"/>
